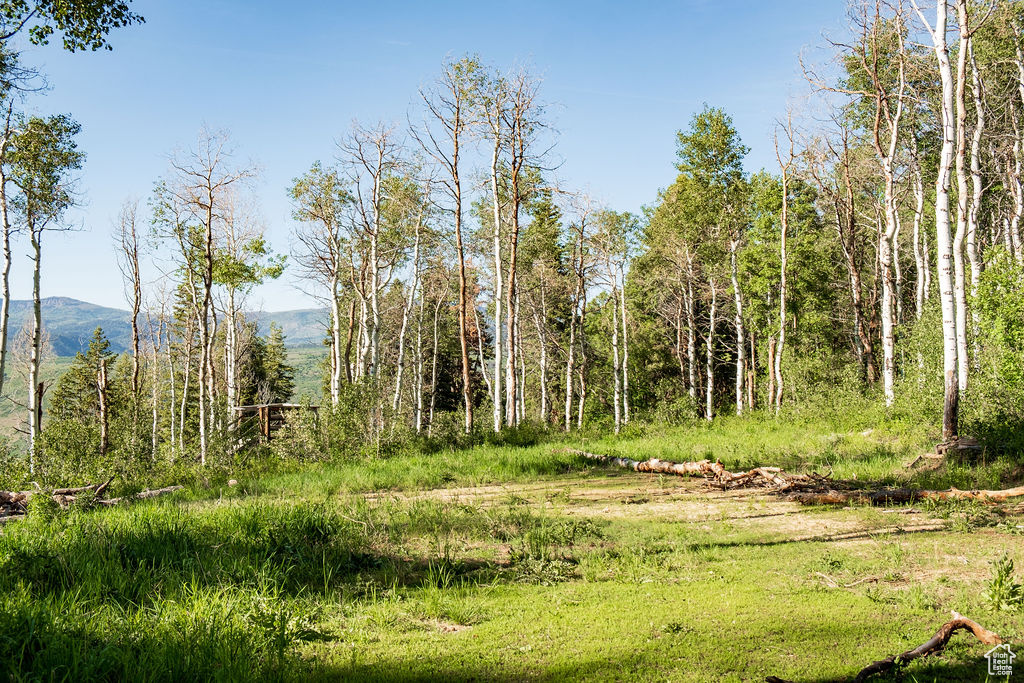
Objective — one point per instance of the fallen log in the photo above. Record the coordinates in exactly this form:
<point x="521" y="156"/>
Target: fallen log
<point x="884" y="496"/>
<point x="82" y="489"/>
<point x="932" y="646"/>
<point x="14" y="504"/>
<point x="716" y="475"/>
<point x="806" y="489"/>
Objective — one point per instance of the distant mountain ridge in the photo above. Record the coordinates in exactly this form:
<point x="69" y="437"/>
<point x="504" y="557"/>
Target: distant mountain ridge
<point x="70" y="324"/>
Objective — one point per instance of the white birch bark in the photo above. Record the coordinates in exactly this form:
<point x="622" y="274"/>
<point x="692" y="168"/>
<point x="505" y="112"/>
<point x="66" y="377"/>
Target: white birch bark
<point x="887" y="243"/>
<point x="691" y="332"/>
<point x="943" y="246"/>
<point x="433" y="369"/>
<point x="418" y="415"/>
<point x="709" y="368"/>
<point x="542" y="412"/>
<point x="406" y="311"/>
<point x="333" y="287"/>
<point x="777" y="348"/>
<point x="920" y="262"/>
<point x="231" y="354"/>
<point x="571" y="355"/>
<point x="962" y="197"/>
<point x="977" y="190"/>
<point x="480" y="353"/>
<point x="497" y="396"/>
<point x="617" y="395"/>
<point x="625" y="347"/>
<point x="5" y="276"/>
<point x="35" y="395"/>
<point x="1017" y="186"/>
<point x="741" y="359"/>
<point x="520" y="402"/>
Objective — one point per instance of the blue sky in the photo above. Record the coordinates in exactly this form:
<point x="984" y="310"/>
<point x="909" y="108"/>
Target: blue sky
<point x="287" y="79"/>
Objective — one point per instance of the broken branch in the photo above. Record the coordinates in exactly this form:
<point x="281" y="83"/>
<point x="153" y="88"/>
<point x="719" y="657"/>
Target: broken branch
<point x="932" y="646"/>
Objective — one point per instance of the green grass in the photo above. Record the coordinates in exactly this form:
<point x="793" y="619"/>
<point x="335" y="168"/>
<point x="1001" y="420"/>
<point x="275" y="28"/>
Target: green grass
<point x="861" y="450"/>
<point x="551" y="568"/>
<point x="306" y="363"/>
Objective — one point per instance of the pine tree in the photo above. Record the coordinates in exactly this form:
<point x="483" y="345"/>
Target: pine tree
<point x="77" y="394"/>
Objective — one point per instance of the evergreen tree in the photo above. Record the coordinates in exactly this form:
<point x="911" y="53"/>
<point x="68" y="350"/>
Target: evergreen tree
<point x="76" y="396"/>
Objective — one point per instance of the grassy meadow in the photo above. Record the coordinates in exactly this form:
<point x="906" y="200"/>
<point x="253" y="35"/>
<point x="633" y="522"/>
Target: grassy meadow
<point x="516" y="563"/>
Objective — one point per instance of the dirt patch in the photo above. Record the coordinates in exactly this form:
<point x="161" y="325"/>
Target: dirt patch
<point x="686" y="501"/>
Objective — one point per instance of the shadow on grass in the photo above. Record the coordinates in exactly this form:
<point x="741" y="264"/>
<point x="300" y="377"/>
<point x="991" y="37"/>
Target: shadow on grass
<point x="618" y="665"/>
<point x="825" y="538"/>
<point x="148" y="554"/>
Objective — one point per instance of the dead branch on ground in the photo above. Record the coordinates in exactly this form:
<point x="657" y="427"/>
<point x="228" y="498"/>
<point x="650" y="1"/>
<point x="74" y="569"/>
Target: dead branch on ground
<point x="806" y="489"/>
<point x="14" y="504"/>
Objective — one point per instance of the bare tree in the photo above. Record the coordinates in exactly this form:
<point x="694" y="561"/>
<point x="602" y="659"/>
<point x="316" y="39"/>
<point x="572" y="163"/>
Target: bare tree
<point x="578" y="266"/>
<point x="523" y="122"/>
<point x="785" y="166"/>
<point x="371" y="156"/>
<point x="198" y="190"/>
<point x="129" y="250"/>
<point x="449" y="105"/>
<point x="319" y="199"/>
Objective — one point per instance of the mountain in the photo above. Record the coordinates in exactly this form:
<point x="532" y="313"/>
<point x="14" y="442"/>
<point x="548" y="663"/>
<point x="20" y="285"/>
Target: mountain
<point x="70" y="324"/>
<point x="301" y="327"/>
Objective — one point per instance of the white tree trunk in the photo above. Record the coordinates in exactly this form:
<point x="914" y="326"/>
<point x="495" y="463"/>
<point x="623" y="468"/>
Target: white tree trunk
<point x="231" y="355"/>
<point x="709" y="367"/>
<point x="741" y="358"/>
<point x="963" y="198"/>
<point x="418" y="417"/>
<point x="336" y="353"/>
<point x="571" y="356"/>
<point x="173" y="398"/>
<point x="497" y="397"/>
<point x="777" y="386"/>
<point x="920" y="262"/>
<point x="433" y="369"/>
<point x="521" y="387"/>
<point x="406" y="311"/>
<point x="35" y="395"/>
<point x="5" y="276"/>
<point x="977" y="189"/>
<point x="581" y="406"/>
<point x="625" y="349"/>
<point x="950" y="419"/>
<point x="617" y="395"/>
<point x="1017" y="188"/>
<point x="183" y="412"/>
<point x="542" y="412"/>
<point x="480" y="353"/>
<point x="691" y="338"/>
<point x="887" y="243"/>
<point x="155" y="425"/>
<point x="885" y="258"/>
